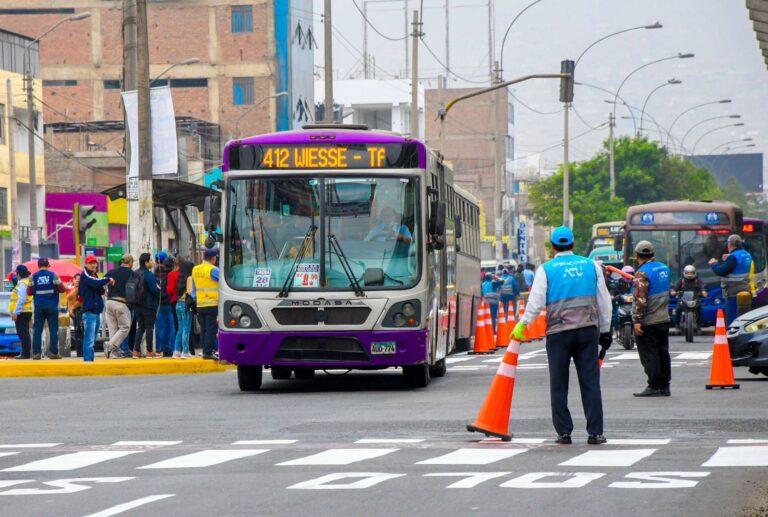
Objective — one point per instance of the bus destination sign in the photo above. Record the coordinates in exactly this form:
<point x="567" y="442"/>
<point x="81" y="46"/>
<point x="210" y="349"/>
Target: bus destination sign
<point x="323" y="156"/>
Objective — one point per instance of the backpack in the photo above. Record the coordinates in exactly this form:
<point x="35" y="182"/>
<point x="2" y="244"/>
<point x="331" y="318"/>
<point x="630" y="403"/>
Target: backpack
<point x="134" y="288"/>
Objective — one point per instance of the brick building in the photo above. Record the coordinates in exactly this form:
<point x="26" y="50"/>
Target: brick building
<point x="246" y="50"/>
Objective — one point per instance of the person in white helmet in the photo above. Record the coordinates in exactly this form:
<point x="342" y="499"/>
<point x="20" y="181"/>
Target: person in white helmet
<point x="689" y="282"/>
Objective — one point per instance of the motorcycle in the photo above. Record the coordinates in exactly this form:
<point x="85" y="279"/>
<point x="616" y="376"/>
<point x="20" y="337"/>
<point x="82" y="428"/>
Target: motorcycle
<point x="688" y="322"/>
<point x="624" y="331"/>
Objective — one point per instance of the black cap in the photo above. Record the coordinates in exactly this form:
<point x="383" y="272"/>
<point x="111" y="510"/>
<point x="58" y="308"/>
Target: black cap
<point x="43" y="262"/>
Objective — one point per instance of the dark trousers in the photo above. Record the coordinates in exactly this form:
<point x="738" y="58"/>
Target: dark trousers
<point x="51" y="316"/>
<point x="581" y="345"/>
<point x="208" y="329"/>
<point x="653" y="347"/>
<point x="145" y="325"/>
<point x="22" y="330"/>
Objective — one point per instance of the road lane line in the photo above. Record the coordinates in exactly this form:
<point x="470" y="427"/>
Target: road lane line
<point x="390" y="440"/>
<point x="748" y="441"/>
<point x="625" y="355"/>
<point x="474" y="456"/>
<point x="693" y="356"/>
<point x="264" y="442"/>
<point x="639" y="441"/>
<point x="754" y="456"/>
<point x="453" y="360"/>
<point x="339" y="457"/>
<point x="28" y="445"/>
<point x="471" y="479"/>
<point x="206" y="458"/>
<point x="73" y="461"/>
<point x="7" y="454"/>
<point x="609" y="458"/>
<point x="130" y="505"/>
<point x="144" y="443"/>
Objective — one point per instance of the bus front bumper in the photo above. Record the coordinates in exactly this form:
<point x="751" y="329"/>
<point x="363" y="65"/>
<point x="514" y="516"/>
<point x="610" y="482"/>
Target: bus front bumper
<point x="329" y="349"/>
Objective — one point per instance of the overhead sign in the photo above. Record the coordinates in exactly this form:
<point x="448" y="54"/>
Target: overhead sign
<point x="165" y="157"/>
<point x="324" y="156"/>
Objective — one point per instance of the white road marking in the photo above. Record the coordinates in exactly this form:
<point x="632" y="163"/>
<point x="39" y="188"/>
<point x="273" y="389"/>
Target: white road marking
<point x="144" y="443"/>
<point x="475" y="456"/>
<point x="748" y="441"/>
<point x="625" y="355"/>
<point x="471" y="479"/>
<point x="130" y="505"/>
<point x="453" y="360"/>
<point x="661" y="480"/>
<point x="533" y="353"/>
<point x="366" y="480"/>
<point x="493" y="360"/>
<point x="693" y="356"/>
<point x="7" y="454"/>
<point x="64" y="486"/>
<point x="264" y="442"/>
<point x="75" y="460"/>
<point x="339" y="457"/>
<point x="608" y="458"/>
<point x="754" y="456"/>
<point x="573" y="480"/>
<point x="205" y="458"/>
<point x="639" y="441"/>
<point x="467" y="368"/>
<point x="532" y="366"/>
<point x="28" y="445"/>
<point x="390" y="440"/>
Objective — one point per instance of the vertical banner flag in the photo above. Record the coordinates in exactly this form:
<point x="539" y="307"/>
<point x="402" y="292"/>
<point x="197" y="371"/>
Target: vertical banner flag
<point x="165" y="158"/>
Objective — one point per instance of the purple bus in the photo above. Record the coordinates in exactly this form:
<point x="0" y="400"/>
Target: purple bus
<point x="341" y="249"/>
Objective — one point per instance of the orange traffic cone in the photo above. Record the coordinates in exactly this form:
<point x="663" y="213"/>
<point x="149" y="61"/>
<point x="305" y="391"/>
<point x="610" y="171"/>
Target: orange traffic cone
<point x="721" y="374"/>
<point x="490" y="335"/>
<point x="541" y="324"/>
<point x="493" y="418"/>
<point x="480" y="341"/>
<point x="501" y="327"/>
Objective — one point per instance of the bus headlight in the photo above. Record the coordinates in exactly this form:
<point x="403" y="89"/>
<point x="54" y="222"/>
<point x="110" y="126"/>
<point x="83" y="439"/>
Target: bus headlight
<point x="403" y="314"/>
<point x="245" y="321"/>
<point x="240" y="315"/>
<point x="399" y="319"/>
<point x="236" y="311"/>
<point x="409" y="309"/>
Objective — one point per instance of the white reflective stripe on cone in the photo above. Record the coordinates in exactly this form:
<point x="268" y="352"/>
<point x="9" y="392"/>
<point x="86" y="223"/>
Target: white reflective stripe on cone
<point x="514" y="347"/>
<point x="507" y="370"/>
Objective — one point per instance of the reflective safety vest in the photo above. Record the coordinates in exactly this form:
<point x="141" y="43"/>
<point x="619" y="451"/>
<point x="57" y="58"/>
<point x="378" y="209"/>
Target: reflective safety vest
<point x="46" y="292"/>
<point x="207" y="288"/>
<point x="657" y="308"/>
<point x="571" y="293"/>
<point x="27" y="307"/>
<point x="738" y="280"/>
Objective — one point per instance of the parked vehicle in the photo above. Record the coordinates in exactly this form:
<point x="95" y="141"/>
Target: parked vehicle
<point x="748" y="341"/>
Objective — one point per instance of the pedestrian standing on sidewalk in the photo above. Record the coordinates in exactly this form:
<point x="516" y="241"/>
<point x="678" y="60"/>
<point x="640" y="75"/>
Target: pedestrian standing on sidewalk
<point x="205" y="287"/>
<point x="177" y="290"/>
<point x="92" y="292"/>
<point x="116" y="310"/>
<point x="164" y="328"/>
<point x="650" y="315"/>
<point x="146" y="311"/>
<point x="21" y="310"/>
<point x="46" y="287"/>
<point x="75" y="311"/>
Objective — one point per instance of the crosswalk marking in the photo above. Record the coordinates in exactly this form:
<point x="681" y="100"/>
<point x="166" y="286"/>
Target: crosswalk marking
<point x="639" y="441"/>
<point x="693" y="356"/>
<point x="390" y="440"/>
<point x="748" y="441"/>
<point x="130" y="505"/>
<point x="205" y="458"/>
<point x="748" y="456"/>
<point x="526" y="441"/>
<point x="626" y="355"/>
<point x="609" y="458"/>
<point x="27" y="445"/>
<point x="144" y="443"/>
<point x="264" y="442"/>
<point x="339" y="457"/>
<point x="7" y="454"/>
<point x="453" y="360"/>
<point x="475" y="456"/>
<point x="73" y="461"/>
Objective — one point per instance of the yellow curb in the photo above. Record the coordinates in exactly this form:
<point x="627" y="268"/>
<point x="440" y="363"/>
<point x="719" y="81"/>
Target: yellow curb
<point x="104" y="367"/>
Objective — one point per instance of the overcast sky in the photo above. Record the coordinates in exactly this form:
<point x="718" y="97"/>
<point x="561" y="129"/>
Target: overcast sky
<point x="728" y="63"/>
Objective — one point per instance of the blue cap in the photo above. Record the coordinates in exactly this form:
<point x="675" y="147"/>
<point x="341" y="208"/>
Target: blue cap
<point x="562" y="236"/>
<point x="21" y="269"/>
<point x="211" y="252"/>
<point x="161" y="256"/>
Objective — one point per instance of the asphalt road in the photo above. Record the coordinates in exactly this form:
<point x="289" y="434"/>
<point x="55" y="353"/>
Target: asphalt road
<point x="363" y="443"/>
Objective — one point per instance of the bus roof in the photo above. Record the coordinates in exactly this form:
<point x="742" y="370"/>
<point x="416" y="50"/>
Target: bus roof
<point x="690" y="206"/>
<point x="467" y="195"/>
<point x="324" y="135"/>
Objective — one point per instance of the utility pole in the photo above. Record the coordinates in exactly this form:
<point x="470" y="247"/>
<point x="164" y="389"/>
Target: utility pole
<point x="10" y="138"/>
<point x="490" y="38"/>
<point x="328" y="48"/>
<point x="611" y="157"/>
<point x="365" y="40"/>
<point x="405" y="40"/>
<point x="499" y="167"/>
<point x="416" y="34"/>
<point x="34" y="237"/>
<point x="130" y="66"/>
<point x="567" y="68"/>
<point x="447" y="41"/>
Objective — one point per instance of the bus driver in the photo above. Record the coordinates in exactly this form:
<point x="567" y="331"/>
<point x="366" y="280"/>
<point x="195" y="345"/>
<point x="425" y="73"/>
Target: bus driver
<point x="389" y="228"/>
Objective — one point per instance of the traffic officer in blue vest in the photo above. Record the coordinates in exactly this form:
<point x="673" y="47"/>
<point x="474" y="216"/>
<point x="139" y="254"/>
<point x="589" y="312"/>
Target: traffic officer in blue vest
<point x="650" y="316"/>
<point x="578" y="307"/>
<point x="734" y="267"/>
<point x="46" y="286"/>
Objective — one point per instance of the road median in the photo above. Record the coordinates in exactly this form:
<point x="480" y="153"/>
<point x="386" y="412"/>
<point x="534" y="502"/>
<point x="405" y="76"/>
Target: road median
<point x="103" y="367"/>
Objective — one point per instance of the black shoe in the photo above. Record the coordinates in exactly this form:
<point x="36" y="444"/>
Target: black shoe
<point x="664" y="392"/>
<point x="20" y="356"/>
<point x="596" y="439"/>
<point x="213" y="357"/>
<point x="564" y="439"/>
<point x="648" y="392"/>
<point x="36" y="357"/>
<point x="53" y="356"/>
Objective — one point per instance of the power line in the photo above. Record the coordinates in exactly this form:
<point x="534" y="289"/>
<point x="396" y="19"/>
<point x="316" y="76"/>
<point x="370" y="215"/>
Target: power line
<point x="451" y="72"/>
<point x="534" y="109"/>
<point x="372" y="26"/>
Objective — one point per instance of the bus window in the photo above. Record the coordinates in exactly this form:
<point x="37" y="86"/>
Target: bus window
<point x="666" y="243"/>
<point x="697" y="247"/>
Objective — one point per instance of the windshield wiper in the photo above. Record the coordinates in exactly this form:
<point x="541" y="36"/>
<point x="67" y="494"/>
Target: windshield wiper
<point x="308" y="237"/>
<point x="336" y="247"/>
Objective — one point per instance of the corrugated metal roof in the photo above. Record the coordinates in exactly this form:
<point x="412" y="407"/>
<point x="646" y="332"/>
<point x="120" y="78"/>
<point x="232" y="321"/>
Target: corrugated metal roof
<point x="758" y="13"/>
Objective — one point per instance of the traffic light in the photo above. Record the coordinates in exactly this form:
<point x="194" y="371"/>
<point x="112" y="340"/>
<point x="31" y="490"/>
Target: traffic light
<point x="86" y="219"/>
<point x="566" y="83"/>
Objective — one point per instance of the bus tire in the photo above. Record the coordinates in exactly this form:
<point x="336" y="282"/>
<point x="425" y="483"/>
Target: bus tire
<point x="304" y="374"/>
<point x="249" y="377"/>
<point x="438" y="369"/>
<point x="417" y="375"/>
<point x="281" y="373"/>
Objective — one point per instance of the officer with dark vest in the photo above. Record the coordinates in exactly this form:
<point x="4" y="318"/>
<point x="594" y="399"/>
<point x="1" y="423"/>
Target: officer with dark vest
<point x="650" y="316"/>
<point x="578" y="307"/>
<point x="46" y="286"/>
<point x="734" y="267"/>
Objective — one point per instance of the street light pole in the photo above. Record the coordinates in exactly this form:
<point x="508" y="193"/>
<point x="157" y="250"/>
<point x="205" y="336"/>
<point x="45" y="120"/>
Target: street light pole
<point x="749" y="139"/>
<point x="328" y="51"/>
<point x="240" y="118"/>
<point x="696" y="143"/>
<point x="642" y="112"/>
<point x="682" y="142"/>
<point x="190" y="61"/>
<point x="722" y="101"/>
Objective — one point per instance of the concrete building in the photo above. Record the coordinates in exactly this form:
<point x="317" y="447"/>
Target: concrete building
<point x="469" y="141"/>
<point x="13" y="129"/>
<point x="247" y="51"/>
<point x="746" y="169"/>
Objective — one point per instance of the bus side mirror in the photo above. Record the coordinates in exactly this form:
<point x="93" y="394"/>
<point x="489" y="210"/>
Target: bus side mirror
<point x="618" y="242"/>
<point x="459" y="230"/>
<point x="212" y="213"/>
<point x="437" y="218"/>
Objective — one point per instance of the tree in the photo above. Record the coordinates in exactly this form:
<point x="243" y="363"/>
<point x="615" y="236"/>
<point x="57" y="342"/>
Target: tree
<point x="644" y="173"/>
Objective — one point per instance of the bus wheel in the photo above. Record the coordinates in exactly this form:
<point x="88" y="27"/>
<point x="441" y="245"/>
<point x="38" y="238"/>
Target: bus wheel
<point x="281" y="373"/>
<point x="438" y="369"/>
<point x="417" y="375"/>
<point x="304" y="374"/>
<point x="249" y="377"/>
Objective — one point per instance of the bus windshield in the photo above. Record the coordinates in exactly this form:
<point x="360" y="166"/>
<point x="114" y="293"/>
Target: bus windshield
<point x="323" y="232"/>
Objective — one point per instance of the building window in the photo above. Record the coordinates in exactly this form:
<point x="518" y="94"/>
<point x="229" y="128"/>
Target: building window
<point x="112" y="84"/>
<point x="3" y="206"/>
<point x="511" y="113"/>
<point x="189" y="83"/>
<point x="374" y="118"/>
<point x="2" y="123"/>
<point x="242" y="18"/>
<point x="67" y="82"/>
<point x="510" y="148"/>
<point x="242" y="90"/>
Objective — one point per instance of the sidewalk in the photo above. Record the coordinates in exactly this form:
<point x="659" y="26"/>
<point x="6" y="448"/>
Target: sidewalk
<point x="76" y="367"/>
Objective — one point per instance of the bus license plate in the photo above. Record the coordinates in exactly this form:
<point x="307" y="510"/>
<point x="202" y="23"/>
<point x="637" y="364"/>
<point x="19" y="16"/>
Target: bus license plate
<point x="387" y="347"/>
